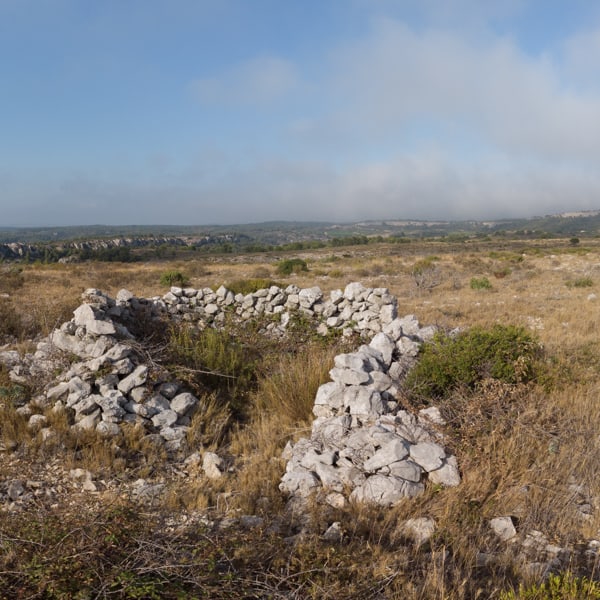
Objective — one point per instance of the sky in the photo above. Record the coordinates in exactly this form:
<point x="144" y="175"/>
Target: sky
<point x="199" y="112"/>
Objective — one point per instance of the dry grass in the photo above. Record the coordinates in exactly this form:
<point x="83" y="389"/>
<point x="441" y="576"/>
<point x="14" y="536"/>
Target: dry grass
<point x="520" y="448"/>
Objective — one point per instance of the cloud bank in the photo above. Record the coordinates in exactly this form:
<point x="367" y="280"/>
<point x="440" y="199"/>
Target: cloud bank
<point x="440" y="116"/>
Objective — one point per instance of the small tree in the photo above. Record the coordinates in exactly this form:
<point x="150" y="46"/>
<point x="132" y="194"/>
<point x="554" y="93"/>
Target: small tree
<point x="426" y="274"/>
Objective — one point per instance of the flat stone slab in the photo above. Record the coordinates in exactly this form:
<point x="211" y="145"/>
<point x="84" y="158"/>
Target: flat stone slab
<point x="428" y="454"/>
<point x="385" y="491"/>
<point x="392" y="452"/>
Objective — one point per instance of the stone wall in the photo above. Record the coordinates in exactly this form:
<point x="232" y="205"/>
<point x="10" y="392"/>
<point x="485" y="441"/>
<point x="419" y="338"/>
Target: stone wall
<point x="356" y="308"/>
<point x="362" y="446"/>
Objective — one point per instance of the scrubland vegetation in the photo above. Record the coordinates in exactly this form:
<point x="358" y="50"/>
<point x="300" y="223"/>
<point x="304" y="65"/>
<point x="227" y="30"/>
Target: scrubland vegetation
<point x="518" y="386"/>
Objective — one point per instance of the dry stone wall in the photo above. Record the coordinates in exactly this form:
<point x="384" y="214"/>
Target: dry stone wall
<point x="356" y="308"/>
<point x="362" y="447"/>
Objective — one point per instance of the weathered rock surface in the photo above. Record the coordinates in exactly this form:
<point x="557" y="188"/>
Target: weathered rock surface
<point x="373" y="452"/>
<point x="126" y="391"/>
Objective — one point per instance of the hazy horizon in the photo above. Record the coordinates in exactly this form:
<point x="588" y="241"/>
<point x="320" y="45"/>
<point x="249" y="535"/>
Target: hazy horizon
<point x="222" y="112"/>
<point x="392" y="221"/>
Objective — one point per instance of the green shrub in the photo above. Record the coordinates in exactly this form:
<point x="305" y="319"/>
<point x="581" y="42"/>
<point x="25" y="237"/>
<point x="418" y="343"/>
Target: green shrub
<point x="249" y="286"/>
<point x="291" y="265"/>
<point x="14" y="393"/>
<point x="581" y="282"/>
<point x="563" y="586"/>
<point x="507" y="353"/>
<point x="169" y="278"/>
<point x="480" y="283"/>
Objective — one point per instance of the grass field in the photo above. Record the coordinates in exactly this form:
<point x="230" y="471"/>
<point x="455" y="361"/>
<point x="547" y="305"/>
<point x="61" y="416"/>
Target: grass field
<point x="529" y="451"/>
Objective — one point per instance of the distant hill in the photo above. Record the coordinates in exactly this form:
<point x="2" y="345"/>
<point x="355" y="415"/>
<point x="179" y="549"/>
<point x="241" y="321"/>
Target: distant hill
<point x="114" y="242"/>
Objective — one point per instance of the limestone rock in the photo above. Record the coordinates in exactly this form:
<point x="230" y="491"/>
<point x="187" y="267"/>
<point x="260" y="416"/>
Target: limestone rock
<point x="212" y="464"/>
<point x="504" y="528"/>
<point x="385" y="491"/>
<point x="84" y="316"/>
<point x="299" y="483"/>
<point x="134" y="379"/>
<point x="447" y="474"/>
<point x="165" y="418"/>
<point x="419" y="530"/>
<point x="428" y="455"/>
<point x="334" y="533"/>
<point x="183" y="403"/>
<point x="392" y="452"/>
<point x="385" y="345"/>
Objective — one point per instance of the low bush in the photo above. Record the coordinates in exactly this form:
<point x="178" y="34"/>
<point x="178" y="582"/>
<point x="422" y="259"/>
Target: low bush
<point x="249" y="286"/>
<point x="291" y="265"/>
<point x="507" y="353"/>
<point x="581" y="282"/>
<point x="118" y="254"/>
<point x="426" y="274"/>
<point x="169" y="278"/>
<point x="480" y="283"/>
<point x="501" y="273"/>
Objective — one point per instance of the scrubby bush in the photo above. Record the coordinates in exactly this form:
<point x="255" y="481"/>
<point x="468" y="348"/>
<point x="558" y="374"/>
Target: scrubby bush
<point x="249" y="286"/>
<point x="118" y="254"/>
<point x="426" y="274"/>
<point x="507" y="353"/>
<point x="501" y="273"/>
<point x="581" y="282"/>
<point x="291" y="265"/>
<point x="480" y="283"/>
<point x="169" y="278"/>
<point x="213" y="360"/>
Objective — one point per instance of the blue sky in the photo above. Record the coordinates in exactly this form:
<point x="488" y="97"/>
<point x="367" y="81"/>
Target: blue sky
<point x="231" y="111"/>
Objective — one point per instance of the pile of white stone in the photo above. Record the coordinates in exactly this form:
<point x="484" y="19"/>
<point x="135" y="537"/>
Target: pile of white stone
<point x="107" y="381"/>
<point x="362" y="447"/>
<point x="356" y="308"/>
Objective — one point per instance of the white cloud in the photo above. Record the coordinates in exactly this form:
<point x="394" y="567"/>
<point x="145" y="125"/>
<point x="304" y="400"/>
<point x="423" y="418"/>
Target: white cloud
<point x="490" y="89"/>
<point x="426" y="185"/>
<point x="581" y="54"/>
<point x="260" y="81"/>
